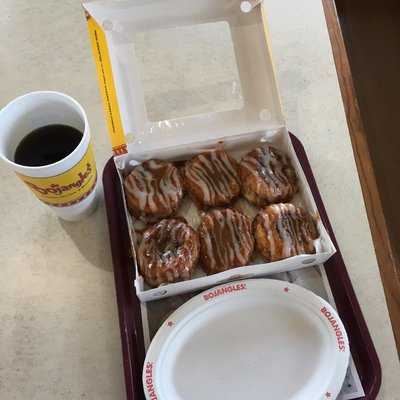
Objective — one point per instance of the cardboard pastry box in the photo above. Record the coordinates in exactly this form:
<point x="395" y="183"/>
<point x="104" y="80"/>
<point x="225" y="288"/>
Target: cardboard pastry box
<point x="179" y="77"/>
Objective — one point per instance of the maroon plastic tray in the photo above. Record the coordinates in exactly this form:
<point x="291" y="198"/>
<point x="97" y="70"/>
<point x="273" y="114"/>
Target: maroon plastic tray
<point x="130" y="321"/>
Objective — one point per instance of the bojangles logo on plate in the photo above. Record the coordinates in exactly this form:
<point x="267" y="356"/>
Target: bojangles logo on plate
<point x="338" y="332"/>
<point x="68" y="188"/>
<point x="149" y="381"/>
<point x="224" y="290"/>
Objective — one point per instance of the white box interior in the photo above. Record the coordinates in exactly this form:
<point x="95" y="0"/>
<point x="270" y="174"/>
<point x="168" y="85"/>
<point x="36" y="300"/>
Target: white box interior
<point x="218" y="77"/>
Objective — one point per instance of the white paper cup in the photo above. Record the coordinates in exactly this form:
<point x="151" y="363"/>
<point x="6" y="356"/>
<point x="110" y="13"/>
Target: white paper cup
<point x="68" y="186"/>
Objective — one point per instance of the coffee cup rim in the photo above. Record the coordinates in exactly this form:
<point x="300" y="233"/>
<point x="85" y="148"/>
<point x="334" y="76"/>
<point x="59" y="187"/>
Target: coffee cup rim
<point x="85" y="132"/>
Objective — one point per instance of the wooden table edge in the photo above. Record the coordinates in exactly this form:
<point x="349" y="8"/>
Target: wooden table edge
<point x="388" y="260"/>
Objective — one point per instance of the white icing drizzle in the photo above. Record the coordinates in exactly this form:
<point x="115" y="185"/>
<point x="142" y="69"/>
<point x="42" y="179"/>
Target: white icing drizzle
<point x="213" y="173"/>
<point x="226" y="240"/>
<point x="153" y="185"/>
<point x="290" y="225"/>
<point x="267" y="165"/>
<point x="168" y="252"/>
<point x="233" y="229"/>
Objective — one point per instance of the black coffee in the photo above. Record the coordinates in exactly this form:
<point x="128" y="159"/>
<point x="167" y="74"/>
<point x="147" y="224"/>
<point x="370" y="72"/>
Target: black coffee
<point x="47" y="145"/>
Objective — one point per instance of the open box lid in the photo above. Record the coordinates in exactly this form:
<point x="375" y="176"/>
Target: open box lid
<point x="181" y="71"/>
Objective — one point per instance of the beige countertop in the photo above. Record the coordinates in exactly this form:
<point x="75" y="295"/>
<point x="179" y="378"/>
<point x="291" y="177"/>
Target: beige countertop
<point x="59" y="334"/>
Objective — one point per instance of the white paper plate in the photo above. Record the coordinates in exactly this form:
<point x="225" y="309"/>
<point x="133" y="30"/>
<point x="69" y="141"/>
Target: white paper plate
<point x="248" y="340"/>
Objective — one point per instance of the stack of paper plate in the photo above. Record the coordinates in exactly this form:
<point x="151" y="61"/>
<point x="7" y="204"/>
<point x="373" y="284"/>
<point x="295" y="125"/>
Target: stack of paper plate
<point x="249" y="340"/>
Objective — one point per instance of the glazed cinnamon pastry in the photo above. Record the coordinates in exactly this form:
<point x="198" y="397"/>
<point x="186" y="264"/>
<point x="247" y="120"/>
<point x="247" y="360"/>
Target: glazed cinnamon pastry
<point x="226" y="240"/>
<point x="212" y="179"/>
<point x="267" y="176"/>
<point x="153" y="190"/>
<point x="284" y="230"/>
<point x="169" y="252"/>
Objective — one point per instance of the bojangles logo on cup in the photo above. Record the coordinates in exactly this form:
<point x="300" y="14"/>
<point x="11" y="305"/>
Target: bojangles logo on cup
<point x="57" y="189"/>
<point x="68" y="188"/>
